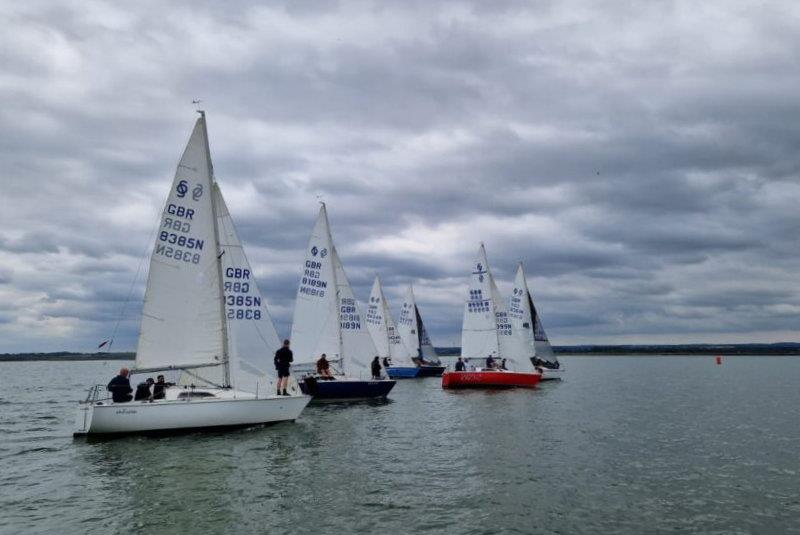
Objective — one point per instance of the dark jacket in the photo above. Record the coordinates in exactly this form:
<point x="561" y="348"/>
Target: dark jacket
<point x="158" y="390"/>
<point x="376" y="368"/>
<point x="142" y="392"/>
<point x="120" y="388"/>
<point x="283" y="358"/>
<point x="460" y="366"/>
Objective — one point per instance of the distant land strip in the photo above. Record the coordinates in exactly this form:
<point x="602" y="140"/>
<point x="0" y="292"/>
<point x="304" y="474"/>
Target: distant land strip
<point x="782" y="348"/>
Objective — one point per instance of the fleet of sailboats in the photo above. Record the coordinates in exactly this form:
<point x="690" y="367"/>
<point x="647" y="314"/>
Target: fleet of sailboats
<point x="205" y="318"/>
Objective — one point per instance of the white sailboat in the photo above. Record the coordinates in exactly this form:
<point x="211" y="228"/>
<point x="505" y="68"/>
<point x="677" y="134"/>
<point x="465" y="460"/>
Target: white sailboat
<point x="394" y="354"/>
<point x="204" y="316"/>
<point x="327" y="320"/>
<point x="528" y="331"/>
<point x="487" y="336"/>
<point x="415" y="337"/>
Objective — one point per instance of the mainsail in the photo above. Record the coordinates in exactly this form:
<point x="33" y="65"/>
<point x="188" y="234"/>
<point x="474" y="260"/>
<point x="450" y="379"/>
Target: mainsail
<point x="182" y="319"/>
<point x="412" y="330"/>
<point x="326" y="315"/>
<point x="383" y="329"/>
<point x="479" y="336"/>
<point x="203" y="312"/>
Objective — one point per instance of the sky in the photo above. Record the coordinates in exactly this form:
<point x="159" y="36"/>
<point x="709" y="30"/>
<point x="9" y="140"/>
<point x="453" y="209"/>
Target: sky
<point x="640" y="158"/>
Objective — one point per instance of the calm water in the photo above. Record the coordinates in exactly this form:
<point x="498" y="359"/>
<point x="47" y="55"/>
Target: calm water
<point x="624" y="445"/>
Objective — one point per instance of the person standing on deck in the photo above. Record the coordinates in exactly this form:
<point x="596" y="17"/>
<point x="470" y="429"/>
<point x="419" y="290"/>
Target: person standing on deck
<point x="376" y="368"/>
<point x="460" y="367"/>
<point x="283" y="360"/>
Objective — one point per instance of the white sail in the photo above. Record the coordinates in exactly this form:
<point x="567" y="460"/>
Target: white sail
<point x="479" y="337"/>
<point x="520" y="317"/>
<point x="358" y="350"/>
<point x="383" y="329"/>
<point x="412" y="330"/>
<point x="182" y="319"/>
<point x="315" y="323"/>
<point x="252" y="338"/>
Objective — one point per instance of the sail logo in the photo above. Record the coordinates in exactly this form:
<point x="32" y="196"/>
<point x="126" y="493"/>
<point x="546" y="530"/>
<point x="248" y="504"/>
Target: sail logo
<point x="480" y="272"/>
<point x="314" y="251"/>
<point x="323" y="253"/>
<point x="182" y="189"/>
<point x="197" y="192"/>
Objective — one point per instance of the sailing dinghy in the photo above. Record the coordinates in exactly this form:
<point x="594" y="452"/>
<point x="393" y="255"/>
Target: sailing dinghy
<point x="486" y="332"/>
<point x="393" y="352"/>
<point x="327" y="320"/>
<point x="204" y="316"/>
<point x="527" y="327"/>
<point x="415" y="337"/>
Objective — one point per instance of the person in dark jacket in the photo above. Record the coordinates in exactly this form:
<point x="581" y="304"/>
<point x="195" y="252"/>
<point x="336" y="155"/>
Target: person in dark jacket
<point x="376" y="367"/>
<point x="143" y="390"/>
<point x="283" y="360"/>
<point x="324" y="368"/>
<point x="120" y="387"/>
<point x="490" y="362"/>
<point x="460" y="367"/>
<point x="159" y="389"/>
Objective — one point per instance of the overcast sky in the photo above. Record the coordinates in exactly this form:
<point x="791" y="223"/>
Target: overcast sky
<point x="641" y="158"/>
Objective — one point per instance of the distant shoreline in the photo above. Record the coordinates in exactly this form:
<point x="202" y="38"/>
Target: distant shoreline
<point x="783" y="348"/>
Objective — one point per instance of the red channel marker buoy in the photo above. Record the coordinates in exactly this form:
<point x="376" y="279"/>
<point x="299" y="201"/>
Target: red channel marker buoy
<point x="719" y="359"/>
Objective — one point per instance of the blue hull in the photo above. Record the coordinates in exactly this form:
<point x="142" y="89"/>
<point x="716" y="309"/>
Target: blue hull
<point x="345" y="390"/>
<point x="403" y="372"/>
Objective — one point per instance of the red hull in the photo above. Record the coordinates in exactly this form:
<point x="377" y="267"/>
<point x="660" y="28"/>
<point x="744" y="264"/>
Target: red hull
<point x="489" y="379"/>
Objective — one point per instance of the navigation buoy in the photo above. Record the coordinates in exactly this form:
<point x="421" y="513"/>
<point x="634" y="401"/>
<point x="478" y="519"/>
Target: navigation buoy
<point x="719" y="359"/>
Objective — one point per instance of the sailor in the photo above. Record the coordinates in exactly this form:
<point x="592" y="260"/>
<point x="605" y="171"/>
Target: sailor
<point x="376" y="367"/>
<point x="143" y="390"/>
<point x="503" y="364"/>
<point x="120" y="387"/>
<point x="387" y="362"/>
<point x="460" y="367"/>
<point x="159" y="389"/>
<point x="324" y="368"/>
<point x="283" y="360"/>
<point x="490" y="362"/>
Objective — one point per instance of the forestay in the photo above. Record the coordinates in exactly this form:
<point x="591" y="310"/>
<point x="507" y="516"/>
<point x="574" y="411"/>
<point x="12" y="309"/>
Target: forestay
<point x="252" y="338"/>
<point x="182" y="320"/>
<point x="380" y="323"/>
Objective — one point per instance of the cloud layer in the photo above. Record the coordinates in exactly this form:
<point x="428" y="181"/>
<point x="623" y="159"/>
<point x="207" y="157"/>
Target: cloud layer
<point x="641" y="160"/>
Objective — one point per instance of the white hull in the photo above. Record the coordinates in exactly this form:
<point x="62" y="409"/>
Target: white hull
<point x="173" y="415"/>
<point x="552" y="375"/>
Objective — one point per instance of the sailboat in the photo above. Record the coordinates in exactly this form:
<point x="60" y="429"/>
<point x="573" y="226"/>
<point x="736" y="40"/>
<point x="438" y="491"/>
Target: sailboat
<point x="204" y="316"/>
<point x="394" y="354"/>
<point x="327" y="320"/>
<point x="527" y="327"/>
<point x="414" y="335"/>
<point x="487" y="332"/>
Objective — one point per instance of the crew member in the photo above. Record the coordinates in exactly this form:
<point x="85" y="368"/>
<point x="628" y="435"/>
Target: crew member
<point x="159" y="389"/>
<point x="460" y="367"/>
<point x="376" y="367"/>
<point x="324" y="368"/>
<point x="490" y="362"/>
<point x="283" y="360"/>
<point x="120" y="387"/>
<point x="143" y="390"/>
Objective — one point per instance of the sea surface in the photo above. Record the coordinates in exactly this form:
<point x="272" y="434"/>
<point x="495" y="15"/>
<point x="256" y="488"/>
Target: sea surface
<point x="622" y="445"/>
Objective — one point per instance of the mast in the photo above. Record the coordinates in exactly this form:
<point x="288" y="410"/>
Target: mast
<point x="334" y="259"/>
<point x="226" y="365"/>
